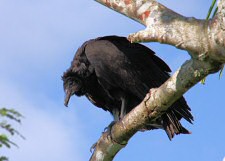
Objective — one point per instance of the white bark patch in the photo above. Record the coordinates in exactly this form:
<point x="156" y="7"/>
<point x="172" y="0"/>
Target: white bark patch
<point x="143" y="8"/>
<point x="120" y="3"/>
<point x="139" y="3"/>
<point x="99" y="155"/>
<point x="172" y="83"/>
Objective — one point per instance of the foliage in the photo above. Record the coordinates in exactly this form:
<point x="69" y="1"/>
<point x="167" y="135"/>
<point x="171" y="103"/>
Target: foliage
<point x="210" y="10"/>
<point x="3" y="159"/>
<point x="5" y="116"/>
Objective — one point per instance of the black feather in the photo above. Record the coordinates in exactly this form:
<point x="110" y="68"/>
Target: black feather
<point x="109" y="70"/>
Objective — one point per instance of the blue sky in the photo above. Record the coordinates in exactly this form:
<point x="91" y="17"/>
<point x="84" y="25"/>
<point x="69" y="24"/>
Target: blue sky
<point x="38" y="40"/>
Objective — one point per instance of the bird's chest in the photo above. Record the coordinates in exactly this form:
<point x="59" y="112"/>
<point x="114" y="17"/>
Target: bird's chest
<point x="95" y="94"/>
<point x="94" y="100"/>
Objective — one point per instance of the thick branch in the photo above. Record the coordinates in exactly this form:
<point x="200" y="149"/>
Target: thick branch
<point x="204" y="40"/>
<point x="217" y="34"/>
<point x="199" y="37"/>
<point x="152" y="107"/>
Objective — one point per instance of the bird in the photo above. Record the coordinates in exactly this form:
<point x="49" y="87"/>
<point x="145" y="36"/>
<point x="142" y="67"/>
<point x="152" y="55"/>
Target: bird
<point x="115" y="75"/>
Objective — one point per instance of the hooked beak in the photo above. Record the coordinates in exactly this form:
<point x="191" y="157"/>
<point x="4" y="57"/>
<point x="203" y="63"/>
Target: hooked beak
<point x="67" y="98"/>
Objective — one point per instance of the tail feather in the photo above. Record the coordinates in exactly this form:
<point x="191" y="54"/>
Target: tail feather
<point x="181" y="107"/>
<point x="184" y="114"/>
<point x="178" y="124"/>
<point x="168" y="127"/>
<point x="173" y="122"/>
<point x="171" y="119"/>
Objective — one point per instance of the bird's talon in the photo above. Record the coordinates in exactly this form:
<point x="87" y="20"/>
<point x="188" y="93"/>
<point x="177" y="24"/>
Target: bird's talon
<point x="105" y="129"/>
<point x="93" y="147"/>
<point x="109" y="127"/>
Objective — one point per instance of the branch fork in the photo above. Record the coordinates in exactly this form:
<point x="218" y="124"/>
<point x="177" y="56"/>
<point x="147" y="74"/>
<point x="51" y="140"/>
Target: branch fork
<point x="204" y="41"/>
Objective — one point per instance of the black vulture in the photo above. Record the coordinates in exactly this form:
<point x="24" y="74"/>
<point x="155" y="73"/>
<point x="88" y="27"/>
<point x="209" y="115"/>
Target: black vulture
<point x="116" y="75"/>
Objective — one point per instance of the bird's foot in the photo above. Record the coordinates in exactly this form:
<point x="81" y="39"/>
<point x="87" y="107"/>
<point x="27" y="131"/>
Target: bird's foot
<point x="109" y="127"/>
<point x="93" y="147"/>
<point x="106" y="129"/>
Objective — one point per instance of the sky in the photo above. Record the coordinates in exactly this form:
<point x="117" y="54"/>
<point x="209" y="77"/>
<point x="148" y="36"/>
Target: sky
<point x="38" y="40"/>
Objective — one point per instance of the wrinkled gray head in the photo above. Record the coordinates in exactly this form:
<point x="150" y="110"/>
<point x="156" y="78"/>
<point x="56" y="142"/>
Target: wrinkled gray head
<point x="72" y="84"/>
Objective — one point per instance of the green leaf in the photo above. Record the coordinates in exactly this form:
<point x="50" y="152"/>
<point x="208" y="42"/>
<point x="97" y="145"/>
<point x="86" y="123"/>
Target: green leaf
<point x="221" y="72"/>
<point x="3" y="158"/>
<point x="215" y="11"/>
<point x="11" y="114"/>
<point x="8" y="114"/>
<point x="4" y="140"/>
<point x="210" y="9"/>
<point x="203" y="81"/>
<point x="8" y="128"/>
<point x="3" y="112"/>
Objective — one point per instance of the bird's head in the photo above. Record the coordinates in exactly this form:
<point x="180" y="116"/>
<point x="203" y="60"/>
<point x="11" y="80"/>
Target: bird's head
<point x="72" y="84"/>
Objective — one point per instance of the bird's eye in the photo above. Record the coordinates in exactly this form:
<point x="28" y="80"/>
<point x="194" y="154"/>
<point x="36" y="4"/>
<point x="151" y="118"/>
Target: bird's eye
<point x="70" y="83"/>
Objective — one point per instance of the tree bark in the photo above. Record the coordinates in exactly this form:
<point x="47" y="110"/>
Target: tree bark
<point x="205" y="42"/>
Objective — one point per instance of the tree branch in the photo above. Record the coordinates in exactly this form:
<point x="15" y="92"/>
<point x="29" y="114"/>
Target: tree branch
<point x="200" y="38"/>
<point x="153" y="106"/>
<point x="205" y="42"/>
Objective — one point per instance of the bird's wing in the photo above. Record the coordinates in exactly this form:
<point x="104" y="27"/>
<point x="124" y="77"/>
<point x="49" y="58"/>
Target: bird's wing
<point x="135" y="69"/>
<point x="130" y="67"/>
<point x="123" y="44"/>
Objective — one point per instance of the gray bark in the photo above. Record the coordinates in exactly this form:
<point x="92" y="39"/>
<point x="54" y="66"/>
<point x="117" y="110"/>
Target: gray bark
<point x="205" y="42"/>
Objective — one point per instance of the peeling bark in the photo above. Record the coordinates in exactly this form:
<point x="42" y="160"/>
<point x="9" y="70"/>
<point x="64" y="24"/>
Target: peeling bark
<point x="204" y="41"/>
